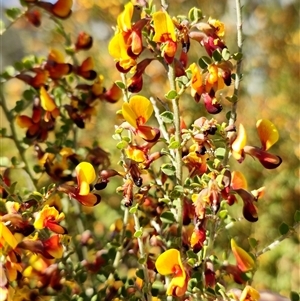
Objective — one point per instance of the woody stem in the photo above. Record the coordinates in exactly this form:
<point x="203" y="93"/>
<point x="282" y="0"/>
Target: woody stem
<point x="178" y="150"/>
<point x="10" y="118"/>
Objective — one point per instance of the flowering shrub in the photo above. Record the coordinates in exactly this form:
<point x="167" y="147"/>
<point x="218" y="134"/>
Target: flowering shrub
<point x="178" y="188"/>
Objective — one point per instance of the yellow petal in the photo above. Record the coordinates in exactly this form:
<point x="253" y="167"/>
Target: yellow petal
<point x="249" y="293"/>
<point x="85" y="176"/>
<point x="124" y="19"/>
<point x="141" y="106"/>
<point x="47" y="102"/>
<point x="166" y="262"/>
<point x="196" y="77"/>
<point x="244" y="261"/>
<point x="164" y="27"/>
<point x="56" y="56"/>
<point x="7" y="235"/>
<point x="239" y="143"/>
<point x="267" y="133"/>
<point x="238" y="180"/>
<point x="129" y="115"/>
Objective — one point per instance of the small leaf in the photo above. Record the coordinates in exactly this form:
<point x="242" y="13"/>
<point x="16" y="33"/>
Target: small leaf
<point x="223" y="214"/>
<point x="120" y="85"/>
<point x="220" y="152"/>
<point x="122" y="144"/>
<point x="252" y="242"/>
<point x="217" y="56"/>
<point x="225" y="54"/>
<point x="138" y="233"/>
<point x="140" y="273"/>
<point x="237" y="56"/>
<point x="204" y="61"/>
<point x="232" y="98"/>
<point x="297" y="216"/>
<point x="174" y="145"/>
<point x="283" y="228"/>
<point x="228" y="115"/>
<point x="167" y="217"/>
<point x="171" y="95"/>
<point x="29" y="94"/>
<point x="195" y="15"/>
<point x="167" y="117"/>
<point x="13" y="13"/>
<point x="168" y="169"/>
<point x="19" y="106"/>
<point x="133" y="209"/>
<point x="294" y="296"/>
<point x="3" y="132"/>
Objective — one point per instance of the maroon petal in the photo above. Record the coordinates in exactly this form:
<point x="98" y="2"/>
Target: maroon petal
<point x="211" y="104"/>
<point x="267" y="160"/>
<point x="249" y="209"/>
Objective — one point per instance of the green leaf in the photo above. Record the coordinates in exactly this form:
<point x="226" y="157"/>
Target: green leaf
<point x="225" y="54"/>
<point x="297" y="216"/>
<point x="232" y="98"/>
<point x="158" y="285"/>
<point x="168" y="169"/>
<point x="19" y="106"/>
<point x="237" y="56"/>
<point x="120" y="84"/>
<point x="122" y="144"/>
<point x="29" y="94"/>
<point x="252" y="242"/>
<point x="283" y="228"/>
<point x="140" y="273"/>
<point x="18" y="66"/>
<point x="174" y="145"/>
<point x="294" y="296"/>
<point x="217" y="56"/>
<point x="3" y="131"/>
<point x="223" y="214"/>
<point x="195" y="15"/>
<point x="167" y="217"/>
<point x="204" y="61"/>
<point x="134" y="209"/>
<point x="220" y="152"/>
<point x="228" y="114"/>
<point x="13" y="13"/>
<point x="171" y="95"/>
<point x="167" y="117"/>
<point x="138" y="233"/>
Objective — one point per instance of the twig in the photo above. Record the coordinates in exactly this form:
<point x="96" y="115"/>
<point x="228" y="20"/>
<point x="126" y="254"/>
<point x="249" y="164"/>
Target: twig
<point x="277" y="241"/>
<point x="238" y="73"/>
<point x="9" y="117"/>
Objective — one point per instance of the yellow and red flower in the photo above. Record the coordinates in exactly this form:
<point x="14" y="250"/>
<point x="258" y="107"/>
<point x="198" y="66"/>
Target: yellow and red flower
<point x="49" y="248"/>
<point x="137" y="112"/>
<point x="170" y="263"/>
<point x="165" y="35"/>
<point x="268" y="136"/>
<point x="126" y="45"/>
<point x="50" y="218"/>
<point x="48" y="104"/>
<point x="86" y="175"/>
<point x="56" y="65"/>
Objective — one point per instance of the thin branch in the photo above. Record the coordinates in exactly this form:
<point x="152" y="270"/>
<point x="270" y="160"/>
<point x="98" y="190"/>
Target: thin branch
<point x="238" y="74"/>
<point x="10" y="118"/>
<point x="278" y="241"/>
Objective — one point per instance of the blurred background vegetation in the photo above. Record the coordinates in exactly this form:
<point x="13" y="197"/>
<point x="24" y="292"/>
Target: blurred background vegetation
<point x="270" y="89"/>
